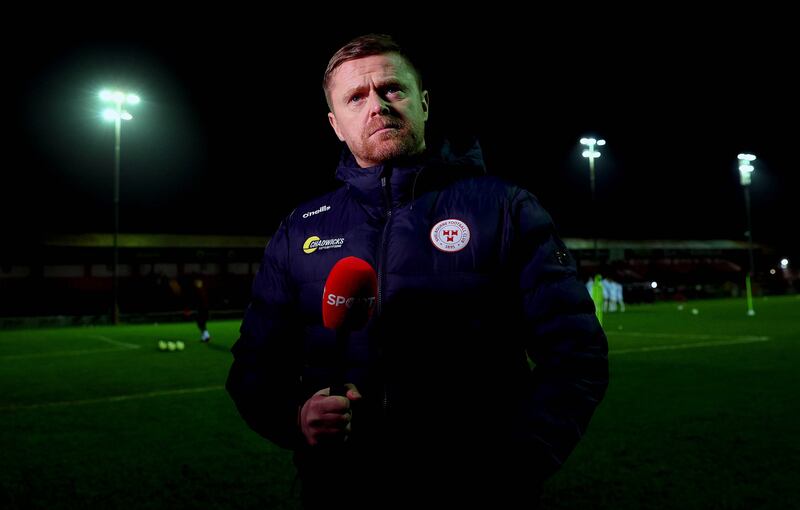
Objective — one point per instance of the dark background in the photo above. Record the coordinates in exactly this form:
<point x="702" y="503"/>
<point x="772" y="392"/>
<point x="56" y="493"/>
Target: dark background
<point x="232" y="132"/>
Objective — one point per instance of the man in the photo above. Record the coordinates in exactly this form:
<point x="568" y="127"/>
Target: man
<point x="192" y="293"/>
<point x="443" y="407"/>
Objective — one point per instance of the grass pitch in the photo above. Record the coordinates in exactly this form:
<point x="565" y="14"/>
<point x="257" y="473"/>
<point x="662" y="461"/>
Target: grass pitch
<point x="702" y="412"/>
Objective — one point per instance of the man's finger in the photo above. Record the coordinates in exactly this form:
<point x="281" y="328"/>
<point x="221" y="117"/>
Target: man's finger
<point x="352" y="392"/>
<point x="335" y="404"/>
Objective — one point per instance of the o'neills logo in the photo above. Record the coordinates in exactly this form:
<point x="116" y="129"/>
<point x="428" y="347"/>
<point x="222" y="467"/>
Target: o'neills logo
<point x="450" y="235"/>
<point x="324" y="208"/>
<point x="314" y="243"/>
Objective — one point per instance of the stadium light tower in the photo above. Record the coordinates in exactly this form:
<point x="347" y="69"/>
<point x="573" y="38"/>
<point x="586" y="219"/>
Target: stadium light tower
<point x="597" y="289"/>
<point x="591" y="153"/>
<point x="746" y="169"/>
<point x="117" y="114"/>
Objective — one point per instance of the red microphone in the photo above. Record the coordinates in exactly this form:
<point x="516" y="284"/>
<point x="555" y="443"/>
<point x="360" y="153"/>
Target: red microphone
<point x="347" y="304"/>
<point x="349" y="295"/>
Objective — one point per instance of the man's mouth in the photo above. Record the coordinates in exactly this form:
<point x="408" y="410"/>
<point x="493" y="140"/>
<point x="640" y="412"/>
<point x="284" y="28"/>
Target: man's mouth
<point x="384" y="128"/>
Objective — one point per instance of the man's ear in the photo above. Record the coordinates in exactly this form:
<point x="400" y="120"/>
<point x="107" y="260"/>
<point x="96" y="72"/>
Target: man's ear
<point x="332" y="120"/>
<point x="425" y="103"/>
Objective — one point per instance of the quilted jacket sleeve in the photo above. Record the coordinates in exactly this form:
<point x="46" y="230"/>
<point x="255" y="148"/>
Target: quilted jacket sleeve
<point x="566" y="341"/>
<point x="264" y="380"/>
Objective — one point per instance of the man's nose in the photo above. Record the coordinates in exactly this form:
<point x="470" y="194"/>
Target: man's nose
<point x="377" y="104"/>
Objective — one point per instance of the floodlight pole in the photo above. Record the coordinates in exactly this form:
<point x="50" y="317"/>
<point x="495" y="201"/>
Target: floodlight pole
<point x="597" y="290"/>
<point x="746" y="169"/>
<point x="750" y="310"/>
<point x="591" y="153"/>
<point x="594" y="218"/>
<point x="115" y="266"/>
<point x="118" y="114"/>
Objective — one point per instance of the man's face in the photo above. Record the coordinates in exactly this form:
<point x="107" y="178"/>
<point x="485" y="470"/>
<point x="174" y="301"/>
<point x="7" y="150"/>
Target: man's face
<point x="378" y="109"/>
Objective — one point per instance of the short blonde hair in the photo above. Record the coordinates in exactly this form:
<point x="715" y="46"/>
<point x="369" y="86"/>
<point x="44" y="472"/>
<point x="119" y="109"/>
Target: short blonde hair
<point x="364" y="46"/>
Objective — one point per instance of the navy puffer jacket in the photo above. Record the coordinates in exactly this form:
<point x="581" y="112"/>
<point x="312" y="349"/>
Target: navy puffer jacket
<point x="443" y="364"/>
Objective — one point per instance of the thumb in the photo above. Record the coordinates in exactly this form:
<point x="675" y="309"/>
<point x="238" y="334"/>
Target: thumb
<point x="325" y="392"/>
<point x="352" y="392"/>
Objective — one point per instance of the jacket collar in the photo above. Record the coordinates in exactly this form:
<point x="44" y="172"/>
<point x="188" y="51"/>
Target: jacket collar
<point x="408" y="178"/>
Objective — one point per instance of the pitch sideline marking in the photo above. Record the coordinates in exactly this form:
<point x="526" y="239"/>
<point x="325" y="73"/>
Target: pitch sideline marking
<point x="117" y="398"/>
<point x="123" y="346"/>
<point x="115" y="342"/>
<point x="732" y="341"/>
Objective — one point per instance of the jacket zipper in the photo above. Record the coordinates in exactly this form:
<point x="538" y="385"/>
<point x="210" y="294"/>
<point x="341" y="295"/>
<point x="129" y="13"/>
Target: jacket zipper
<point x="387" y="195"/>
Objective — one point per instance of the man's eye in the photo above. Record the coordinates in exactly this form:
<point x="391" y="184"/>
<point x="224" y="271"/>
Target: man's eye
<point x="356" y="98"/>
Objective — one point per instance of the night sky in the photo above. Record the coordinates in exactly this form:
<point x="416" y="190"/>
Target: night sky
<point x="232" y="131"/>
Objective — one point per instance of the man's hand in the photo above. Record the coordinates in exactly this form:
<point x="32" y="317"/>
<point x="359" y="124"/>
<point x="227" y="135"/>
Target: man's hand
<point x="327" y="419"/>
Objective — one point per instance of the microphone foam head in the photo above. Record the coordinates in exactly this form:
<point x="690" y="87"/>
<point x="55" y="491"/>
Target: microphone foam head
<point x="349" y="295"/>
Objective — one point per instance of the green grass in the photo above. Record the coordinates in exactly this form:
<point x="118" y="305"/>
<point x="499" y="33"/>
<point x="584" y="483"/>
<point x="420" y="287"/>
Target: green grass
<point x="702" y="412"/>
<point x="175" y="440"/>
<point x="707" y="427"/>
